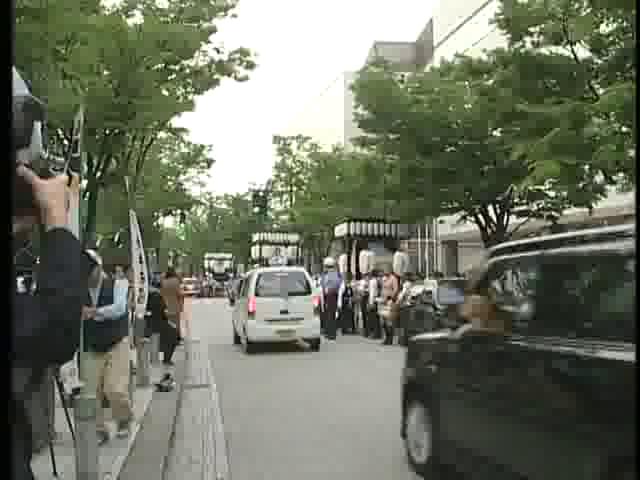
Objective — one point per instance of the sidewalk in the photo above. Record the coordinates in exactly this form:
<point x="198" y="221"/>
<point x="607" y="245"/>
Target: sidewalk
<point x="114" y="454"/>
<point x="199" y="449"/>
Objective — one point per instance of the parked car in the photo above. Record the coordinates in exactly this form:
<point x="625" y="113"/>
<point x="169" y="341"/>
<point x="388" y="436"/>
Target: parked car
<point x="539" y="381"/>
<point x="191" y="287"/>
<point x="275" y="304"/>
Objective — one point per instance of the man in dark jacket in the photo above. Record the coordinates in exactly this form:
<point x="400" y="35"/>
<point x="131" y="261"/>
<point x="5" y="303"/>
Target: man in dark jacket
<point x="45" y="325"/>
<point x="106" y="338"/>
<point x="168" y="333"/>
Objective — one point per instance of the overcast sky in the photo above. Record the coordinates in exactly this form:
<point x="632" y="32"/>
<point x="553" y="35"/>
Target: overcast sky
<point x="301" y="46"/>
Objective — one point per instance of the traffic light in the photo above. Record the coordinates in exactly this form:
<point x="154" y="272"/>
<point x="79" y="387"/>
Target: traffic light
<point x="260" y="202"/>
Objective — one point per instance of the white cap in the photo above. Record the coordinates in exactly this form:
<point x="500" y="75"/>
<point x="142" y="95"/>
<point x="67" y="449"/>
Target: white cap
<point x="329" y="262"/>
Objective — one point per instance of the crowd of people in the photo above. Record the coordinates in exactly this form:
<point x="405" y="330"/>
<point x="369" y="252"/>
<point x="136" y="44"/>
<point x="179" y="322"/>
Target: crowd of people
<point x="369" y="306"/>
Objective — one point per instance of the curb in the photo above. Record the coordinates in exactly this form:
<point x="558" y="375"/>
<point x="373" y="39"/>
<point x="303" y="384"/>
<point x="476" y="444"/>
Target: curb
<point x="164" y="468"/>
<point x="121" y="460"/>
<point x="198" y="444"/>
<point x="223" y="471"/>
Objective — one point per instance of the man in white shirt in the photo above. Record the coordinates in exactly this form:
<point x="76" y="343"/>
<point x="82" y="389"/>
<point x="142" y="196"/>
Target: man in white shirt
<point x="374" y="329"/>
<point x="106" y="337"/>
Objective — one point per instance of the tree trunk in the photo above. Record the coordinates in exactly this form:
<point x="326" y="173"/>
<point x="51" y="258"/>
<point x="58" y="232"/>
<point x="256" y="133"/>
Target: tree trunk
<point x="92" y="212"/>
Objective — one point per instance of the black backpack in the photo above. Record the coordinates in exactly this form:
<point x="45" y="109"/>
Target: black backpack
<point x="347" y="297"/>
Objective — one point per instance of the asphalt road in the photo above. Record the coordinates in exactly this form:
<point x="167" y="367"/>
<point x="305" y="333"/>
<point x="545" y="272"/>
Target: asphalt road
<point x="291" y="414"/>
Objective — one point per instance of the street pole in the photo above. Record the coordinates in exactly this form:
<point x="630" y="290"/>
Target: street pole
<point x="85" y="408"/>
<point x="140" y="342"/>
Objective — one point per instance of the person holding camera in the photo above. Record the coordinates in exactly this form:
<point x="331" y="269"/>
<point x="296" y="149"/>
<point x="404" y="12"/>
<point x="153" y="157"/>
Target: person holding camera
<point x="46" y="323"/>
<point x="106" y="336"/>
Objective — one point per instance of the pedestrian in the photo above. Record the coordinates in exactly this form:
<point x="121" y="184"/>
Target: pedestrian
<point x="375" y="288"/>
<point x="106" y="338"/>
<point x="171" y="292"/>
<point x="346" y="306"/>
<point x="390" y="292"/>
<point x="330" y="284"/>
<point x="45" y="327"/>
<point x="168" y="333"/>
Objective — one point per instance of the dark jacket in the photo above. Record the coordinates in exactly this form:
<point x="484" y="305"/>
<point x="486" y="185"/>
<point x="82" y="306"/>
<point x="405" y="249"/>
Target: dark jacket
<point x="45" y="332"/>
<point x="157" y="308"/>
<point x="102" y="336"/>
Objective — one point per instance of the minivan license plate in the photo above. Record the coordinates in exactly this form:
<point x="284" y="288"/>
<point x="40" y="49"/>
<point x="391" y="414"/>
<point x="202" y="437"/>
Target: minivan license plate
<point x="286" y="333"/>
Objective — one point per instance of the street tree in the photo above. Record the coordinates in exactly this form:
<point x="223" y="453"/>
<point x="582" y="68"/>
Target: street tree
<point x="576" y="65"/>
<point x="135" y="67"/>
<point x="338" y="184"/>
<point x="167" y="190"/>
<point x="450" y="134"/>
<point x="217" y="223"/>
<point x="291" y="171"/>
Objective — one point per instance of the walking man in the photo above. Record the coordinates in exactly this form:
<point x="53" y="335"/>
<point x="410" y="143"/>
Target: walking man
<point x="106" y="336"/>
<point x="374" y="327"/>
<point x="168" y="333"/>
<point x="390" y="292"/>
<point x="173" y="297"/>
<point x="346" y="306"/>
<point x="330" y="284"/>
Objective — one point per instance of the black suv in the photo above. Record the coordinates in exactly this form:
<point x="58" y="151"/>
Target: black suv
<point x="548" y="392"/>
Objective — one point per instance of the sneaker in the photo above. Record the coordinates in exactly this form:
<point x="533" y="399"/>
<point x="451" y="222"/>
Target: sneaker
<point x="166" y="385"/>
<point x="103" y="437"/>
<point x="124" y="429"/>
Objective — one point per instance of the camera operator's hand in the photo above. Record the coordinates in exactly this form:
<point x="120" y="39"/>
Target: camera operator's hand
<point x="51" y="196"/>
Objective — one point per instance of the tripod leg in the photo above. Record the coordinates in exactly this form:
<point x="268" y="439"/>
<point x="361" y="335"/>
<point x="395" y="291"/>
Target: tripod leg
<point x="53" y="459"/>
<point x="64" y="406"/>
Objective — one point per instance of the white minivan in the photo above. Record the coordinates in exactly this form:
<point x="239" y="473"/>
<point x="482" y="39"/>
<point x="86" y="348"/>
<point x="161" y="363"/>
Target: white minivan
<point x="276" y="304"/>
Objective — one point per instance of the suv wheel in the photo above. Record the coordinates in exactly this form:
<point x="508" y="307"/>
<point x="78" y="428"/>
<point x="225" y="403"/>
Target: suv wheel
<point x="420" y="438"/>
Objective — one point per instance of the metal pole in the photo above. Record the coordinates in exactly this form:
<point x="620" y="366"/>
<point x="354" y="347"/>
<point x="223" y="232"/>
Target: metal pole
<point x="143" y="373"/>
<point x="85" y="408"/>
<point x="85" y="413"/>
<point x="140" y="343"/>
<point x="155" y="348"/>
<point x="133" y="364"/>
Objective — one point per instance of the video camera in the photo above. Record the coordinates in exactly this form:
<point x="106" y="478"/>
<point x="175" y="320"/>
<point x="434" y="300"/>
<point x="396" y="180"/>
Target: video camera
<point x="30" y="145"/>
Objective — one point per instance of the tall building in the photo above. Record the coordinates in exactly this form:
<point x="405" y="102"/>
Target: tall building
<point x="465" y="27"/>
<point x="329" y="117"/>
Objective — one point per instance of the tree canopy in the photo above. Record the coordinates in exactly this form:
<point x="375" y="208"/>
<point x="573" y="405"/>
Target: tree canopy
<point x="516" y="134"/>
<point x="135" y="67"/>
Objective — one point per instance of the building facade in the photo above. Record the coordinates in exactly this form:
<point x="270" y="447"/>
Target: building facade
<point x="329" y="117"/>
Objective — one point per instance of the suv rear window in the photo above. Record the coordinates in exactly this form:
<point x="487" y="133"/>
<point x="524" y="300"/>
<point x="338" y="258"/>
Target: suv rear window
<point x="282" y="284"/>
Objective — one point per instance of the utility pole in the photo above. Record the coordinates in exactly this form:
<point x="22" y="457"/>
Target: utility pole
<point x="139" y="343"/>
<point x="86" y="403"/>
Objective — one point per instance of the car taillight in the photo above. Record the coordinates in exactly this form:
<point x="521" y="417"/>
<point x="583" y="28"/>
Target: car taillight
<point x="316" y="304"/>
<point x="251" y="308"/>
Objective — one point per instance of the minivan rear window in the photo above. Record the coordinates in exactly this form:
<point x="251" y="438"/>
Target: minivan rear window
<point x="282" y="284"/>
